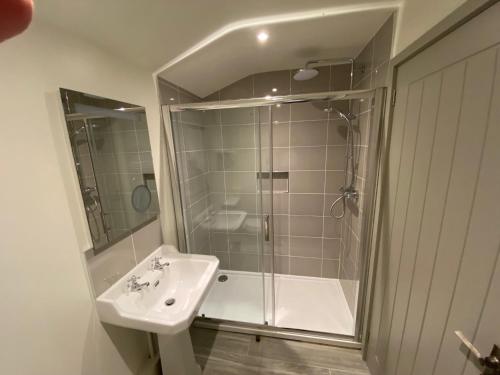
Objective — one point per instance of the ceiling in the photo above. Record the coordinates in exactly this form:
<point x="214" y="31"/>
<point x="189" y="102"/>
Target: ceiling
<point x="290" y="45"/>
<point x="160" y="33"/>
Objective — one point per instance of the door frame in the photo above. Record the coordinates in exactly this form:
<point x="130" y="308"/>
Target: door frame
<point x="450" y="23"/>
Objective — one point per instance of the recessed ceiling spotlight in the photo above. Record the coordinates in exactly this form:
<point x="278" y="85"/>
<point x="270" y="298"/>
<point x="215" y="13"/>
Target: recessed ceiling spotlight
<point x="274" y="89"/>
<point x="172" y="99"/>
<point x="262" y="36"/>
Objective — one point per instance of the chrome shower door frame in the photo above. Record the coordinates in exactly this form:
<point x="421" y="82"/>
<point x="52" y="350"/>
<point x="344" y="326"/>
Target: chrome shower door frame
<point x="377" y="98"/>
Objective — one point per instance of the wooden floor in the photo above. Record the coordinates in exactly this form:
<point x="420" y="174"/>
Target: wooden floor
<point x="225" y="353"/>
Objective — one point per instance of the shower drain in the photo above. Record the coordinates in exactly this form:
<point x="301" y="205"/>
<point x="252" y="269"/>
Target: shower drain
<point x="222" y="278"/>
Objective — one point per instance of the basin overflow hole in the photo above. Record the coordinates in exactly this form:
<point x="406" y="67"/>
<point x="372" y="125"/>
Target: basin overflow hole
<point x="170" y="301"/>
<point x="222" y="278"/>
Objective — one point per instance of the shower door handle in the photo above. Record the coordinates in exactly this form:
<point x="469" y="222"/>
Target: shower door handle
<point x="266" y="228"/>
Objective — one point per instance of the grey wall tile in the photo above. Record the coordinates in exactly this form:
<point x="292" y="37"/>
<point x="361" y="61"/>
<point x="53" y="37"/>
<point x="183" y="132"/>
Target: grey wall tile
<point x="280" y="203"/>
<point x="310" y="226"/>
<point x="281" y="245"/>
<point x="197" y="188"/>
<point x="281" y="158"/>
<point x="281" y="136"/>
<point x="239" y="160"/>
<point x="280" y="224"/>
<point x="330" y="268"/>
<point x="281" y="113"/>
<point x="308" y="111"/>
<point x="331" y="248"/>
<point x="243" y="243"/>
<point x="215" y="160"/>
<point x="168" y="92"/>
<point x="244" y="262"/>
<point x="214" y="182"/>
<point x="193" y="137"/>
<point x="238" y="90"/>
<point x="332" y="227"/>
<point x="307" y="182"/>
<point x="223" y="260"/>
<point x="305" y="266"/>
<point x="335" y="158"/>
<point x="334" y="180"/>
<point x="337" y="132"/>
<point x="241" y="182"/>
<point x="219" y="242"/>
<point x="380" y="75"/>
<point x="238" y="136"/>
<point x="201" y="240"/>
<point x="382" y="43"/>
<point x="237" y="116"/>
<point x="363" y="64"/>
<point x="341" y="77"/>
<point x="198" y="212"/>
<point x="306" y="204"/>
<point x="308" y="133"/>
<point x="241" y="202"/>
<point x="307" y="158"/>
<point x="281" y="264"/>
<point x="306" y="247"/>
<point x="212" y="137"/>
<point x="265" y="82"/>
<point x="196" y="163"/>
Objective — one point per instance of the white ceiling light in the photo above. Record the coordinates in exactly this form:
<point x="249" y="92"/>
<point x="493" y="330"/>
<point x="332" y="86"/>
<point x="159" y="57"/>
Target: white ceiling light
<point x="274" y="89"/>
<point x="262" y="36"/>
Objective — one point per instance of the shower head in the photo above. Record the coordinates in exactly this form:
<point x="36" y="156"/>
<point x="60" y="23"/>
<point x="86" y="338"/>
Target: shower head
<point x="305" y="73"/>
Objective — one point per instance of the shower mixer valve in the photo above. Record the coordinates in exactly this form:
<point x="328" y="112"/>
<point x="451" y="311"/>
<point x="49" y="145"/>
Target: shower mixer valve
<point x="349" y="193"/>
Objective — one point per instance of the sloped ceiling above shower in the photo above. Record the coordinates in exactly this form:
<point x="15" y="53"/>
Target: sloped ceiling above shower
<point x="290" y="45"/>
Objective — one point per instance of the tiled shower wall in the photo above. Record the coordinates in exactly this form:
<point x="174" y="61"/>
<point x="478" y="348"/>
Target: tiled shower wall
<point x="218" y="149"/>
<point x="370" y="72"/>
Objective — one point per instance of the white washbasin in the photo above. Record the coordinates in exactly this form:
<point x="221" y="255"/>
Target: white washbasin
<point x="187" y="279"/>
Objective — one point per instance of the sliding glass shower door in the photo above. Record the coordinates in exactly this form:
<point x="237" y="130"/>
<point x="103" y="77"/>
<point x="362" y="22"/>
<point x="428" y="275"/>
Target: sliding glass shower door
<point x="281" y="193"/>
<point x="222" y="168"/>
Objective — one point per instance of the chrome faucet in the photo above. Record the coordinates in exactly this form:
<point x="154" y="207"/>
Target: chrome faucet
<point x="134" y="286"/>
<point x="156" y="265"/>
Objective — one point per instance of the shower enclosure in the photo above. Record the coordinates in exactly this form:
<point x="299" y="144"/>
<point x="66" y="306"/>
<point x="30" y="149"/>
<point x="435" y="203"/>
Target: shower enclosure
<point x="255" y="183"/>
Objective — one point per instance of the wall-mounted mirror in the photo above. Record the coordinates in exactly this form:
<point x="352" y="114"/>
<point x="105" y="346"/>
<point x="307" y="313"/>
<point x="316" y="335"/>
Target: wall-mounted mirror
<point x="112" y="156"/>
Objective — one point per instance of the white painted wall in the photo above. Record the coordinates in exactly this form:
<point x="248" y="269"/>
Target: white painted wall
<point x="48" y="323"/>
<point x="418" y="16"/>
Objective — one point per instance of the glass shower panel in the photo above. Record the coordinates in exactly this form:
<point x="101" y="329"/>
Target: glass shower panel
<point x="218" y="162"/>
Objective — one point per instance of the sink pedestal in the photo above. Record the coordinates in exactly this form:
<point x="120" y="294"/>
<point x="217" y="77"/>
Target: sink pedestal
<point x="177" y="355"/>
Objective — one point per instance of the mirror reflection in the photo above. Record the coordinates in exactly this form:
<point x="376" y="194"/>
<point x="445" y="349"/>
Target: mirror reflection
<point x="112" y="155"/>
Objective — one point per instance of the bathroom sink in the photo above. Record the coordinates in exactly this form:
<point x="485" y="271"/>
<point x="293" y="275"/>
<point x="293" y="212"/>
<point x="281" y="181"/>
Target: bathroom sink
<point x="169" y="304"/>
